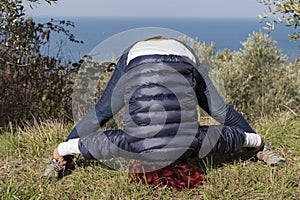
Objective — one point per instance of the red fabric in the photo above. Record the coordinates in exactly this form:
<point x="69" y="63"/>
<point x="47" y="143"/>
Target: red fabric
<point x="178" y="176"/>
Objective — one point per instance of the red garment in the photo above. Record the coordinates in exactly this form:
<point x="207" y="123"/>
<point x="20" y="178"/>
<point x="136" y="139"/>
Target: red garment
<point x="178" y="176"/>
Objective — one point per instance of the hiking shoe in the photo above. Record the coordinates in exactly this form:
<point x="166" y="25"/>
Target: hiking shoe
<point x="271" y="157"/>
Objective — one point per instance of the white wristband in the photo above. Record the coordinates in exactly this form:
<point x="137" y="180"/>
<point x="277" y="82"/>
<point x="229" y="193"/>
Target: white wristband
<point x="252" y="140"/>
<point x="69" y="148"/>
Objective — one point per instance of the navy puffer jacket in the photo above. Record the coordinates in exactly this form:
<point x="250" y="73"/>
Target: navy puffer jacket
<point x="160" y="118"/>
<point x="160" y="106"/>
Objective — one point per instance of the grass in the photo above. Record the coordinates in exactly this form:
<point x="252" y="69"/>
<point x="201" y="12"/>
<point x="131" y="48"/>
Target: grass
<point x="24" y="154"/>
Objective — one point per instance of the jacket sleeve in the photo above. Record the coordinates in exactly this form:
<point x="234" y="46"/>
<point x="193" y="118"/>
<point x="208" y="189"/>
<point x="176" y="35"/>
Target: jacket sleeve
<point x="106" y="145"/>
<point x="210" y="100"/>
<point x="111" y="101"/>
<point x="219" y="139"/>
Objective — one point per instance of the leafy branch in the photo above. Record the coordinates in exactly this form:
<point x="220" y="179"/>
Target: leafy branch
<point x="280" y="11"/>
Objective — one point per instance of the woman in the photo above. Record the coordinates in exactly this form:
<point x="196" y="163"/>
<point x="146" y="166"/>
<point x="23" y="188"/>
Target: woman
<point x="159" y="81"/>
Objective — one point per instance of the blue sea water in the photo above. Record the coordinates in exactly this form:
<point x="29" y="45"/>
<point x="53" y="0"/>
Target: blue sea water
<point x="224" y="33"/>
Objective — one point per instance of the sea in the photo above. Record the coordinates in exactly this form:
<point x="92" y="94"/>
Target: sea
<point x="224" y="33"/>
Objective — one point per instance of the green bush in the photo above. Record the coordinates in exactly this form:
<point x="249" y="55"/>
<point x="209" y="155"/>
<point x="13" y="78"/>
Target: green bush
<point x="32" y="85"/>
<point x="257" y="79"/>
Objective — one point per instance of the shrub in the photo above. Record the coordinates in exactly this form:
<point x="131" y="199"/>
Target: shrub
<point x="257" y="79"/>
<point x="32" y="85"/>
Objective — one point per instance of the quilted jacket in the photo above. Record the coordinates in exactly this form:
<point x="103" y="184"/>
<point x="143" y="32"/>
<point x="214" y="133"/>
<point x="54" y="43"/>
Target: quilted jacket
<point x="161" y="94"/>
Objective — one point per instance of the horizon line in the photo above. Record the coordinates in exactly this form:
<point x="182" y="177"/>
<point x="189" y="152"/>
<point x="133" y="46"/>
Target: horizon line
<point x="143" y="17"/>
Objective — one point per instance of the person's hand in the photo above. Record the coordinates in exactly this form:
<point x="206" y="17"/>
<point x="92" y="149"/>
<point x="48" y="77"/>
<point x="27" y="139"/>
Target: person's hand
<point x="59" y="163"/>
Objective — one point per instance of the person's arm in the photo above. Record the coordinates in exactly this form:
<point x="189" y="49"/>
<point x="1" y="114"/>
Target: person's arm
<point x="111" y="101"/>
<point x="210" y="100"/>
<point x="97" y="145"/>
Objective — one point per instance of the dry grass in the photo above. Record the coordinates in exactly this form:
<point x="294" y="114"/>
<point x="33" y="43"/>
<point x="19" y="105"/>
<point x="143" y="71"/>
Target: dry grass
<point x="24" y="154"/>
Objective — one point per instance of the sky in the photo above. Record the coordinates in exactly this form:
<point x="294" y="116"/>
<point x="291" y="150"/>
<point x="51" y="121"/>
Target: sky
<point x="150" y="8"/>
